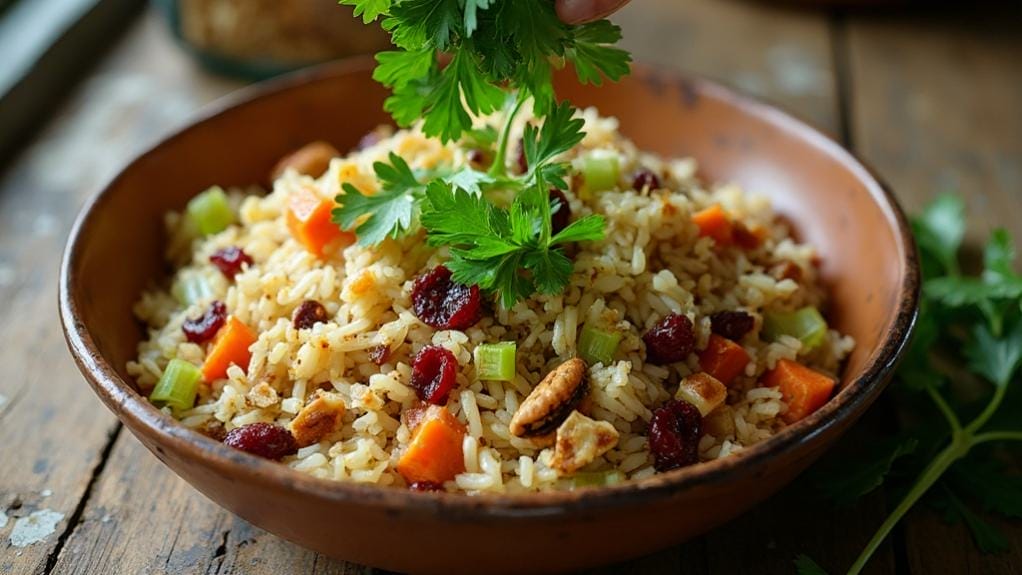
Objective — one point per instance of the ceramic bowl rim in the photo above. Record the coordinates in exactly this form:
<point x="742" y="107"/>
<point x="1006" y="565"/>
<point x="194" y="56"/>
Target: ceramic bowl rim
<point x="132" y="409"/>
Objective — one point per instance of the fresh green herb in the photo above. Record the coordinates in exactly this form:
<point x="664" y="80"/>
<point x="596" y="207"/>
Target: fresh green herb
<point x="950" y="451"/>
<point x="492" y="45"/>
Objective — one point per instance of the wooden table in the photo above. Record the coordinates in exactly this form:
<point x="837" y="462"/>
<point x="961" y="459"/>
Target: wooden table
<point x="931" y="100"/>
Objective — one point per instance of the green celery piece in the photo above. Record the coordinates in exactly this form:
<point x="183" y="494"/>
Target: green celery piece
<point x="210" y="211"/>
<point x="597" y="478"/>
<point x="806" y="324"/>
<point x="601" y="170"/>
<point x="191" y="288"/>
<point x="598" y="346"/>
<point x="177" y="386"/>
<point x="496" y="361"/>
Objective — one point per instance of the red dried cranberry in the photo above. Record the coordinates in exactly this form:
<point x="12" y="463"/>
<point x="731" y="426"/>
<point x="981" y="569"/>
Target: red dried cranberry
<point x="308" y="314"/>
<point x="731" y="324"/>
<point x="434" y="372"/>
<point x="262" y="439"/>
<point x="561" y="216"/>
<point x="426" y="486"/>
<point x="379" y="354"/>
<point x="645" y="179"/>
<point x="229" y="260"/>
<point x="442" y="303"/>
<point x="204" y="327"/>
<point x="670" y="340"/>
<point x="674" y="433"/>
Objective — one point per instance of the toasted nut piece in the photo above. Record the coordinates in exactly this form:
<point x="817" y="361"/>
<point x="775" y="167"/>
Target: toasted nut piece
<point x="703" y="391"/>
<point x="720" y="423"/>
<point x="311" y="160"/>
<point x="552" y="400"/>
<point x="318" y="419"/>
<point x="580" y="440"/>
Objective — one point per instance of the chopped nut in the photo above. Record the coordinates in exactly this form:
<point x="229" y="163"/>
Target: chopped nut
<point x="213" y="429"/>
<point x="552" y="400"/>
<point x="787" y="270"/>
<point x="312" y="160"/>
<point x="318" y="419"/>
<point x="703" y="391"/>
<point x="580" y="440"/>
<point x="262" y="395"/>
<point x="720" y="423"/>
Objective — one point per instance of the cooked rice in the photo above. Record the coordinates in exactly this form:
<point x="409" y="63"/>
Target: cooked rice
<point x="651" y="263"/>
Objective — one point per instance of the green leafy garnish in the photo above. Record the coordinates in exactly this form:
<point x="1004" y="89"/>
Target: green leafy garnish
<point x="969" y="332"/>
<point x="502" y="53"/>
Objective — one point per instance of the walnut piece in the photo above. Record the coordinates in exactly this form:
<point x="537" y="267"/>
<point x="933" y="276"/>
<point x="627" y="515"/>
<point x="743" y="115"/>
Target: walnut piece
<point x="318" y="419"/>
<point x="552" y="400"/>
<point x="580" y="440"/>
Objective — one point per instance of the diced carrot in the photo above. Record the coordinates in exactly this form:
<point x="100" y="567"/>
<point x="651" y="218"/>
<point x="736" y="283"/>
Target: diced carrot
<point x="714" y="222"/>
<point x="805" y="390"/>
<point x="308" y="218"/>
<point x="312" y="159"/>
<point x="723" y="359"/>
<point x="434" y="453"/>
<point x="230" y="346"/>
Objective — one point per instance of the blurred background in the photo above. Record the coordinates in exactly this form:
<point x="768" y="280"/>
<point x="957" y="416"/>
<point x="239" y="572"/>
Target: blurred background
<point x="927" y="92"/>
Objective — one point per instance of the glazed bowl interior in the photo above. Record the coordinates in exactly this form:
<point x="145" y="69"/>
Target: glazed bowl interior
<point x="867" y="262"/>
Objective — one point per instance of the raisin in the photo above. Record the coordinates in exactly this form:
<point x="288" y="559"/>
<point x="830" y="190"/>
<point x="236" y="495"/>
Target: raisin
<point x="262" y="439"/>
<point x="731" y="324"/>
<point x="434" y="372"/>
<point x="204" y="327"/>
<point x="674" y="433"/>
<point x="308" y="314"/>
<point x="379" y="354"/>
<point x="561" y="216"/>
<point x="645" y="180"/>
<point x="229" y="260"/>
<point x="670" y="340"/>
<point x="426" y="486"/>
<point x="443" y="303"/>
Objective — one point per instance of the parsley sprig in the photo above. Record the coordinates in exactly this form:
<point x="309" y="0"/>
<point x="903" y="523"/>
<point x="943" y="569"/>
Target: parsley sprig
<point x="949" y="451"/>
<point x="501" y="54"/>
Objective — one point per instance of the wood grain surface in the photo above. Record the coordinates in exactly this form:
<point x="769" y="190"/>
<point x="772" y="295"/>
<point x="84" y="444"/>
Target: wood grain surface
<point x="930" y="100"/>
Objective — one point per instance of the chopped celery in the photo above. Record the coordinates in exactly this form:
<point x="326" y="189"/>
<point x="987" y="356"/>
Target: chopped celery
<point x="210" y="211"/>
<point x="600" y="170"/>
<point x="191" y="288"/>
<point x="177" y="385"/>
<point x="805" y="324"/>
<point x="597" y="478"/>
<point x="495" y="361"/>
<point x="598" y="346"/>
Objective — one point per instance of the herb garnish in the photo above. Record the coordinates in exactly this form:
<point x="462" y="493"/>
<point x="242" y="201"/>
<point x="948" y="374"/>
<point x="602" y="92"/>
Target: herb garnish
<point x="969" y="334"/>
<point x="493" y="45"/>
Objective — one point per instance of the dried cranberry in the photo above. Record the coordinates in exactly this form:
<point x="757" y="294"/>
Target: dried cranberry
<point x="434" y="371"/>
<point x="562" y="211"/>
<point x="379" y="354"/>
<point x="674" y="433"/>
<point x="229" y="260"/>
<point x="442" y="303"/>
<point x="204" y="327"/>
<point x="262" y="439"/>
<point x="308" y="314"/>
<point x="670" y="340"/>
<point x="645" y="179"/>
<point x="426" y="486"/>
<point x="731" y="324"/>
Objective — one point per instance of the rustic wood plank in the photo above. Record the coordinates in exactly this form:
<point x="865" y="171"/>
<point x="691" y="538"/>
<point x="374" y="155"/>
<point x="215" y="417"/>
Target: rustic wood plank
<point x="779" y="54"/>
<point x="934" y="99"/>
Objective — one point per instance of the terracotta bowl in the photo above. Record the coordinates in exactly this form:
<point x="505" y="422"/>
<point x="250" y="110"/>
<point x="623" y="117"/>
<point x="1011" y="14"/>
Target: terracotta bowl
<point x="868" y="262"/>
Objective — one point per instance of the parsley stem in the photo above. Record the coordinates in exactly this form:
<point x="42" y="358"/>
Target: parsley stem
<point x="499" y="167"/>
<point x="958" y="447"/>
<point x="949" y="414"/>
<point x="997" y="436"/>
<point x="991" y="408"/>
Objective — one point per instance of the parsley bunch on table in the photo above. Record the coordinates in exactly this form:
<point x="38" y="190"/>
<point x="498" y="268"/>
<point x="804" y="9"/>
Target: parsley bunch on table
<point x="951" y="450"/>
<point x="500" y="55"/>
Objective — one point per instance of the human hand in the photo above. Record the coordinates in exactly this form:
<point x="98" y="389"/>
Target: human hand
<point x="582" y="11"/>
